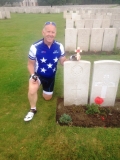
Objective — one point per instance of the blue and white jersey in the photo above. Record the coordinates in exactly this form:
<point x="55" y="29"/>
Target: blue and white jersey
<point x="46" y="58"/>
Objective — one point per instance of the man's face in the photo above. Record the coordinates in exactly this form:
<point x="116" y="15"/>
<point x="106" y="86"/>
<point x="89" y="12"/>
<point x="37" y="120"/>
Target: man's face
<point x="49" y="33"/>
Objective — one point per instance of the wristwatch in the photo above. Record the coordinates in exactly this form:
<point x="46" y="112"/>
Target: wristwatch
<point x="34" y="76"/>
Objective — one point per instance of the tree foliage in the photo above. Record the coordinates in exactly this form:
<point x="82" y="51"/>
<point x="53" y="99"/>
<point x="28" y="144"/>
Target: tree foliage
<point x="66" y="2"/>
<point x="2" y="2"/>
<point x="77" y="2"/>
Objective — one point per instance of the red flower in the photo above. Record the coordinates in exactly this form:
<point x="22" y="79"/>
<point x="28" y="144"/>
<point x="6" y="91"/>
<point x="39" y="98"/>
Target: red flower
<point x="103" y="118"/>
<point x="99" y="100"/>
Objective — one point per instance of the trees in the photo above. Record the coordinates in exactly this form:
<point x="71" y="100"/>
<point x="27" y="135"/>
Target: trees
<point x="2" y="2"/>
<point x="64" y="2"/>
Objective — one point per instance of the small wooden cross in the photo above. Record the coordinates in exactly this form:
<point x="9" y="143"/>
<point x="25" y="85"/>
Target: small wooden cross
<point x="78" y="50"/>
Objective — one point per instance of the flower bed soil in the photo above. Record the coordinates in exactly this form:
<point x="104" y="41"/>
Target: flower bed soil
<point x="109" y="118"/>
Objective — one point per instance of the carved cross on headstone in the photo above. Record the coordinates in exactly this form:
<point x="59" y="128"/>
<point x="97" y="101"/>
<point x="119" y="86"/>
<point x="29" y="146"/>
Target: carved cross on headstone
<point x="76" y="89"/>
<point x="105" y="84"/>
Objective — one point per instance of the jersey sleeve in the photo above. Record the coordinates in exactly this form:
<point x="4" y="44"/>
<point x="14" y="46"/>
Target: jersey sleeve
<point x="62" y="50"/>
<point x="32" y="53"/>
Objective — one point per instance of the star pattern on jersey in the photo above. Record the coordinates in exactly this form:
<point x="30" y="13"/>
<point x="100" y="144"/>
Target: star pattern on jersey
<point x="55" y="60"/>
<point x="54" y="69"/>
<point x="43" y="70"/>
<point x="49" y="65"/>
<point x="43" y="60"/>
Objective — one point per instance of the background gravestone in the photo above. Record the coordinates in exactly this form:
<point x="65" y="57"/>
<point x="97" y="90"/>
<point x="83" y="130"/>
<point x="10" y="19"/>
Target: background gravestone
<point x="83" y="38"/>
<point x="97" y="23"/>
<point x="70" y="39"/>
<point x="118" y="40"/>
<point x="106" y="76"/>
<point x="96" y="41"/>
<point x="80" y="23"/>
<point x="69" y="23"/>
<point x="106" y="23"/>
<point x="76" y="82"/>
<point x="109" y="39"/>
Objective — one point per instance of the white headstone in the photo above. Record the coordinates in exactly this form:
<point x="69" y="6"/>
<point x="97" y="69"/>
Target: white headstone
<point x="106" y="23"/>
<point x="74" y="16"/>
<point x="68" y="16"/>
<point x="116" y="24"/>
<point x="96" y="39"/>
<point x="76" y="82"/>
<point x="106" y="75"/>
<point x="83" y="38"/>
<point x="7" y="14"/>
<point x="1" y="17"/>
<point x="118" y="40"/>
<point x="80" y="23"/>
<point x="70" y="39"/>
<point x="99" y="16"/>
<point x="69" y="23"/>
<point x="97" y="23"/>
<point x="88" y="23"/>
<point x="85" y="16"/>
<point x="109" y="39"/>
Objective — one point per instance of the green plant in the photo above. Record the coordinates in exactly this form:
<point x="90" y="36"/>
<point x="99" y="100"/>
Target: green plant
<point x="92" y="108"/>
<point x="65" y="119"/>
<point x="116" y="51"/>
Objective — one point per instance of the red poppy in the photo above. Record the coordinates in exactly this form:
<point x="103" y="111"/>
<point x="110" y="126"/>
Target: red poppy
<point x="103" y="118"/>
<point x="99" y="100"/>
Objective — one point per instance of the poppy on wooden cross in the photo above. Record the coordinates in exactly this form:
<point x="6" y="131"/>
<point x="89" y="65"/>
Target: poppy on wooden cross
<point x="78" y="51"/>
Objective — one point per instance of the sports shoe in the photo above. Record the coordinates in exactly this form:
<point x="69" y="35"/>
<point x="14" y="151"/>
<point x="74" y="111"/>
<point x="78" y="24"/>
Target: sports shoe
<point x="30" y="115"/>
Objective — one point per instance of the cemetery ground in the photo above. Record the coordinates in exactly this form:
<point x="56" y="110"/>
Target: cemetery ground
<point x="42" y="138"/>
<point x="108" y="117"/>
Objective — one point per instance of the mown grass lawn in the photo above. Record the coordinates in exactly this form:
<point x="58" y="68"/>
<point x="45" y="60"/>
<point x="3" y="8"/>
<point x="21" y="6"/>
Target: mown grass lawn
<point x="42" y="138"/>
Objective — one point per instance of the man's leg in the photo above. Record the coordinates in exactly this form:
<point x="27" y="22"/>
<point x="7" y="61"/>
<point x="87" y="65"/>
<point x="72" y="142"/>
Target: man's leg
<point x="47" y="97"/>
<point x="32" y="96"/>
<point x="32" y="92"/>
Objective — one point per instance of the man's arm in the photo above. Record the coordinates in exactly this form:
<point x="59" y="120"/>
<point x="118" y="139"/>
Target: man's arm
<point x="31" y="66"/>
<point x="62" y="60"/>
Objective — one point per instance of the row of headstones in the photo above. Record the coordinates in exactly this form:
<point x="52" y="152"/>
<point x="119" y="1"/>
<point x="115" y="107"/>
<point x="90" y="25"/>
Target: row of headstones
<point x="31" y="10"/>
<point x="92" y="23"/>
<point x="77" y="15"/>
<point x="105" y="80"/>
<point x="5" y="15"/>
<point x="95" y="39"/>
<point x="60" y="9"/>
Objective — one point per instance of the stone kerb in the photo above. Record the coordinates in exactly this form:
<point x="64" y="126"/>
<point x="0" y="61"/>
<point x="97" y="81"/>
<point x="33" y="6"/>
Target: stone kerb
<point x="105" y="79"/>
<point x="76" y="82"/>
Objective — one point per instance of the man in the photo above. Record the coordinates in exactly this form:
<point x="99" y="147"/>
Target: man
<point x="42" y="66"/>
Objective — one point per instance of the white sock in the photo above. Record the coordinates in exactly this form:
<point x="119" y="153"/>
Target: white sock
<point x="33" y="108"/>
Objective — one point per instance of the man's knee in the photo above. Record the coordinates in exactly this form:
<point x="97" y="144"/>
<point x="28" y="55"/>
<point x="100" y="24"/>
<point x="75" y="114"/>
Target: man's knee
<point x="47" y="97"/>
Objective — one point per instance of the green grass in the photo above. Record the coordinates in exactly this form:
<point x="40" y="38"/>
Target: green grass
<point x="42" y="138"/>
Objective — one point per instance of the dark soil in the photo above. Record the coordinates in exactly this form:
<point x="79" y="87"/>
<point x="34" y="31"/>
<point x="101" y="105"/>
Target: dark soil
<point x="110" y="116"/>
